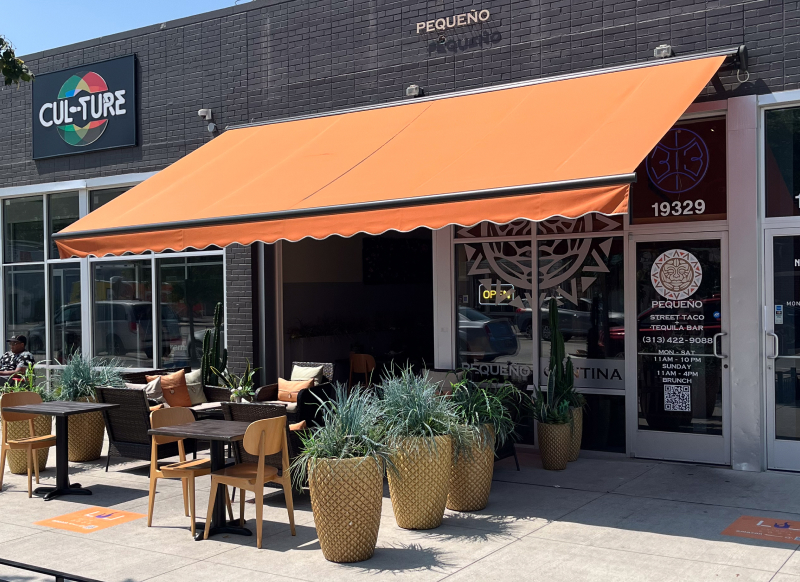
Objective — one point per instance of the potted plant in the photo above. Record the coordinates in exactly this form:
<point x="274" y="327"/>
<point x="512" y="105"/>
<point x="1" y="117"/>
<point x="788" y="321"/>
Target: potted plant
<point x="421" y="425"/>
<point x="343" y="461"/>
<point x="42" y="425"/>
<point x="76" y="382"/>
<point x="553" y="431"/>
<point x="241" y="387"/>
<point x="486" y="408"/>
<point x="562" y="376"/>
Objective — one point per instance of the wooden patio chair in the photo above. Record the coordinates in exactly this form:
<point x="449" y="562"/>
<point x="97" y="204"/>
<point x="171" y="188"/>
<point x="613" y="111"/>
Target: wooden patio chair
<point x="361" y="364"/>
<point x="33" y="443"/>
<point x="262" y="439"/>
<point x="184" y="470"/>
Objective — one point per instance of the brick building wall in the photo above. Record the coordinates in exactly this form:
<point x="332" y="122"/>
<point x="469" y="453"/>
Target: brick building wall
<point x="241" y="331"/>
<point x="270" y="59"/>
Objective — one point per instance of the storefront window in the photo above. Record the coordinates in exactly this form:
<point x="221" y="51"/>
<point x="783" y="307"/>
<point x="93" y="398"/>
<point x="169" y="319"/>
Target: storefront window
<point x="98" y="198"/>
<point x="123" y="312"/>
<point x="493" y="292"/>
<point x="65" y="311"/>
<point x="782" y="161"/>
<point x="25" y="306"/>
<point x="63" y="211"/>
<point x="23" y="229"/>
<point x="586" y="276"/>
<point x="190" y="290"/>
<point x="684" y="178"/>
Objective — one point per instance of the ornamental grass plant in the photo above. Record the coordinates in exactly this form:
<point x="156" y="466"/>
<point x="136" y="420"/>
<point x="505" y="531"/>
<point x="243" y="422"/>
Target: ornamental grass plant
<point x="414" y="409"/>
<point x="76" y="382"/>
<point x="424" y="426"/>
<point x="351" y="428"/>
<point x="343" y="460"/>
<point x="488" y="408"/>
<point x="80" y="376"/>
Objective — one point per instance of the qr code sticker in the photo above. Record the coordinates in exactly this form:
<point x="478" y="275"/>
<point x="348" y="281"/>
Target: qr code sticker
<point x="677" y="398"/>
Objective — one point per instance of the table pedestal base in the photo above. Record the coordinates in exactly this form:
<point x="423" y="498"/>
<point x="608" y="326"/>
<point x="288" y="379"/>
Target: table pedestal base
<point x="50" y="492"/>
<point x="230" y="527"/>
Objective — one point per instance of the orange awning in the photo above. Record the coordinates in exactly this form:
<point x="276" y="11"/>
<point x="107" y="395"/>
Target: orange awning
<point x="534" y="150"/>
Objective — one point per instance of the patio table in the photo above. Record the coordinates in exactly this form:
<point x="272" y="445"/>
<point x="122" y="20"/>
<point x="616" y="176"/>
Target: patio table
<point x="217" y="432"/>
<point x="61" y="410"/>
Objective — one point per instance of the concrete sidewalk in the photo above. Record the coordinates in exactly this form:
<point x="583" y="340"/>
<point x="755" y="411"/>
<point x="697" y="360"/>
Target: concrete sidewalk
<point x="604" y="518"/>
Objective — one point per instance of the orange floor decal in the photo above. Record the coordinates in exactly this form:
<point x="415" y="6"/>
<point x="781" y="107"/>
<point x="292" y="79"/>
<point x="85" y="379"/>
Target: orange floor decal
<point x="90" y="519"/>
<point x="765" y="528"/>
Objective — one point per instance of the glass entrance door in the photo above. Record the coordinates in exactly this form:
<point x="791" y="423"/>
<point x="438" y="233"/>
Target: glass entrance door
<point x="782" y="349"/>
<point x="678" y="396"/>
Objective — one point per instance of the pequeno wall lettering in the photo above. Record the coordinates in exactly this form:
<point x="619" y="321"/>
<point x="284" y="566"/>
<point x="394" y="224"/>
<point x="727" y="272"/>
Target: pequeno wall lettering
<point x="465" y="19"/>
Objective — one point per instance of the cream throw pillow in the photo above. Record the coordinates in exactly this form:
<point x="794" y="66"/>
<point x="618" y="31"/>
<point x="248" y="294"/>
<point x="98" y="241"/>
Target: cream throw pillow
<point x="196" y="394"/>
<point x="307" y="373"/>
<point x="152" y="389"/>
<point x="193" y="377"/>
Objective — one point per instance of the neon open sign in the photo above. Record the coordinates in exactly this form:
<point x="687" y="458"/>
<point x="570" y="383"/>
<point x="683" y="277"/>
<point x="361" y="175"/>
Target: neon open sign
<point x="489" y="295"/>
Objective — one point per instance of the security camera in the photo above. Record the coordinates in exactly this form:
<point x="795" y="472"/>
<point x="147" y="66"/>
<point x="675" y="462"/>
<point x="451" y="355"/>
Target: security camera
<point x="205" y="114"/>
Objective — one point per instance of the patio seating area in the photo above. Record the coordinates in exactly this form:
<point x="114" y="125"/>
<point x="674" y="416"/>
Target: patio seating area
<point x="604" y="518"/>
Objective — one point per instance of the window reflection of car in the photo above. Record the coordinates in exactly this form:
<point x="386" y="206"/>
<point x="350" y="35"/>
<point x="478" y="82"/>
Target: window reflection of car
<point x="573" y="322"/>
<point x="122" y="327"/>
<point x="66" y="331"/>
<point x="483" y="338"/>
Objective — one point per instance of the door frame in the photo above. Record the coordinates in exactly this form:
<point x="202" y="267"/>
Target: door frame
<point x="651" y="444"/>
<point x="781" y="454"/>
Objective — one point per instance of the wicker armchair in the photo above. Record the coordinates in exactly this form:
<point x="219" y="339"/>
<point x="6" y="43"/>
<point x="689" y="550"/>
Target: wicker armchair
<point x="307" y="405"/>
<point x="128" y="424"/>
<point x="213" y="393"/>
<point x="250" y="413"/>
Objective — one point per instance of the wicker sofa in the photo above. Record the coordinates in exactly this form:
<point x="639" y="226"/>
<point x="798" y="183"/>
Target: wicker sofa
<point x="127" y="425"/>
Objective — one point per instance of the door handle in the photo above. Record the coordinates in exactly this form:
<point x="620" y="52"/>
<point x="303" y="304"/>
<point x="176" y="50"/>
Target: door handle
<point x="714" y="344"/>
<point x="775" y="343"/>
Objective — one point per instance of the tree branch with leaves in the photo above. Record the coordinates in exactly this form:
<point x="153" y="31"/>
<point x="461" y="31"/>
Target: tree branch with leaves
<point x="13" y="68"/>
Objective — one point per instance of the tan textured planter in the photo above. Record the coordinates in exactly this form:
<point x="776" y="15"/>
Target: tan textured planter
<point x="419" y="491"/>
<point x="554" y="445"/>
<point x="577" y="433"/>
<point x="17" y="461"/>
<point x="471" y="479"/>
<point x="346" y="497"/>
<point x="85" y="436"/>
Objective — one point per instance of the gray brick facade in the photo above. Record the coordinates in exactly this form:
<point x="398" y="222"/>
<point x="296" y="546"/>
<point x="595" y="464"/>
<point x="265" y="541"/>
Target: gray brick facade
<point x="271" y="59"/>
<point x="241" y="330"/>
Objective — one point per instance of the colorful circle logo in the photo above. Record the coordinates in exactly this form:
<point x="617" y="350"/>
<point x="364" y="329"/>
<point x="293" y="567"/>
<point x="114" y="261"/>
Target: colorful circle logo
<point x="72" y="133"/>
<point x="676" y="274"/>
<point x="678" y="162"/>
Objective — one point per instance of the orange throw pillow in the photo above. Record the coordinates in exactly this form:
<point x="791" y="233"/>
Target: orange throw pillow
<point x="176" y="393"/>
<point x="287" y="390"/>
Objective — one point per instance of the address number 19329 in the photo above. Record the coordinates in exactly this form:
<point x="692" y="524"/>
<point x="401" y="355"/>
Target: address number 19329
<point x="678" y="208"/>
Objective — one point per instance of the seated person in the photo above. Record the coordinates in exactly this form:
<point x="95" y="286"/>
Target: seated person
<point x="16" y="360"/>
